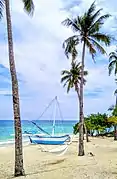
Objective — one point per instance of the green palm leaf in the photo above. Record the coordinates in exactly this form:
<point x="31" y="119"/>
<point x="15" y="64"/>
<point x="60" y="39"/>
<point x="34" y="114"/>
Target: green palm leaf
<point x="115" y="92"/>
<point x="1" y="8"/>
<point x="65" y="72"/>
<point x="91" y="9"/>
<point x="64" y="78"/>
<point x="112" y="55"/>
<point x="91" y="48"/>
<point x="95" y="15"/>
<point x="111" y="67"/>
<point x="112" y="63"/>
<point x="98" y="46"/>
<point x="102" y="38"/>
<point x="69" y="46"/>
<point x="98" y="23"/>
<point x="67" y="81"/>
<point x="71" y="23"/>
<point x="29" y="6"/>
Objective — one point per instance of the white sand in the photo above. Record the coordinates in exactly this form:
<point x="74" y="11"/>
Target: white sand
<point x="40" y="165"/>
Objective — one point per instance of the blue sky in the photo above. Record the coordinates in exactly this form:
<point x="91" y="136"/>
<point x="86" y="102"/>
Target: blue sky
<point x="40" y="58"/>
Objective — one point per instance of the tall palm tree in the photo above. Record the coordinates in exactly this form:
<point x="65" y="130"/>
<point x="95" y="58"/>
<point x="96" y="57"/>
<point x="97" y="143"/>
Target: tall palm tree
<point x="87" y="28"/>
<point x="112" y="62"/>
<point x="29" y="8"/>
<point x="72" y="78"/>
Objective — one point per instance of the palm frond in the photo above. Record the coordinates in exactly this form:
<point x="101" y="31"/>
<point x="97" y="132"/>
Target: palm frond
<point x="85" y="73"/>
<point x="28" y="6"/>
<point x="116" y="68"/>
<point x="95" y="15"/>
<point x="98" y="46"/>
<point x="115" y="92"/>
<point x="84" y="81"/>
<point x="111" y="67"/>
<point x="113" y="55"/>
<point x="66" y="82"/>
<point x="91" y="9"/>
<point x="69" y="46"/>
<point x="116" y="80"/>
<point x="65" y="72"/>
<point x="111" y="108"/>
<point x="91" y="48"/>
<point x="100" y="37"/>
<point x="69" y="87"/>
<point x="98" y="23"/>
<point x="71" y="23"/>
<point x="85" y="21"/>
<point x="64" y="78"/>
<point x="2" y="4"/>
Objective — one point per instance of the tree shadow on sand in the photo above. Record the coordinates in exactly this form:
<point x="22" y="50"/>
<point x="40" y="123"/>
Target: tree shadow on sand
<point x="44" y="170"/>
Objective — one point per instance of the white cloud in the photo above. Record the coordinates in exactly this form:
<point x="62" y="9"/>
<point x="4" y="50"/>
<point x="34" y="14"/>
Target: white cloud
<point x="40" y="58"/>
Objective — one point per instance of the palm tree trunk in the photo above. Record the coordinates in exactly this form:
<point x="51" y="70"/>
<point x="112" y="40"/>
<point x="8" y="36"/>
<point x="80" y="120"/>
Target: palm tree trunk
<point x="115" y="126"/>
<point x="86" y="132"/>
<point x="77" y="90"/>
<point x="73" y="60"/>
<point x="115" y="132"/>
<point x="78" y="93"/>
<point x="81" y="115"/>
<point x="19" y="170"/>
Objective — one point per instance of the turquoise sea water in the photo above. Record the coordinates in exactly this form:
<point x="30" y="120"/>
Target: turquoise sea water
<point x="7" y="129"/>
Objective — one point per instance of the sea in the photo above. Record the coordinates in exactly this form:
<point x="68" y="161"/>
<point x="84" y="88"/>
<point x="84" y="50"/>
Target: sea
<point x="7" y="129"/>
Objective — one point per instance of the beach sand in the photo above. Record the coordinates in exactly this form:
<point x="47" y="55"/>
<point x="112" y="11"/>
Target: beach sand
<point x="41" y="165"/>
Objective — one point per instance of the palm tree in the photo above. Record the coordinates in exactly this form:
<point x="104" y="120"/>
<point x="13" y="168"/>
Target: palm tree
<point x="69" y="46"/>
<point x="29" y="7"/>
<point x="112" y="62"/>
<point x="72" y="77"/>
<point x="87" y="29"/>
<point x="113" y="108"/>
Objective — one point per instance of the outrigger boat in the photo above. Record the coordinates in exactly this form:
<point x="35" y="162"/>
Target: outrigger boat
<point x="49" y="139"/>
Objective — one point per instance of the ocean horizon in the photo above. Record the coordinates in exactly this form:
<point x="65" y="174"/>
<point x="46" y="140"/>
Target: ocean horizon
<point x="7" y="128"/>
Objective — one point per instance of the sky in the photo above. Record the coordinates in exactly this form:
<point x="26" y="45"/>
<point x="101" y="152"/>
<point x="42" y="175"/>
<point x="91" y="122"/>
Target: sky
<point x="40" y="58"/>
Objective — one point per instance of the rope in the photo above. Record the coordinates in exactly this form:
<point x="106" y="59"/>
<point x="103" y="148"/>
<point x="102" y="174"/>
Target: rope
<point x="46" y="108"/>
<point x="40" y="128"/>
<point x="61" y="116"/>
<point x="42" y="115"/>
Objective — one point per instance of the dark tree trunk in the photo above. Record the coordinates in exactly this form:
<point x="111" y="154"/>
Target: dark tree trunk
<point x="19" y="170"/>
<point x="115" y="126"/>
<point x="77" y="90"/>
<point x="115" y="132"/>
<point x="81" y="142"/>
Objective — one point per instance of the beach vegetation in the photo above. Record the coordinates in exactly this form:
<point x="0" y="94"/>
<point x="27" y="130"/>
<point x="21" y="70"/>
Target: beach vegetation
<point x="113" y="119"/>
<point x="96" y="124"/>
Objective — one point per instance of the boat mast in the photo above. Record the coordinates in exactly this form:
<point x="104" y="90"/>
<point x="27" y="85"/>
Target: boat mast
<point x="53" y="129"/>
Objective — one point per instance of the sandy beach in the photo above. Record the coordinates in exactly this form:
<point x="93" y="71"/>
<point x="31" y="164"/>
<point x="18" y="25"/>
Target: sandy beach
<point x="103" y="165"/>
